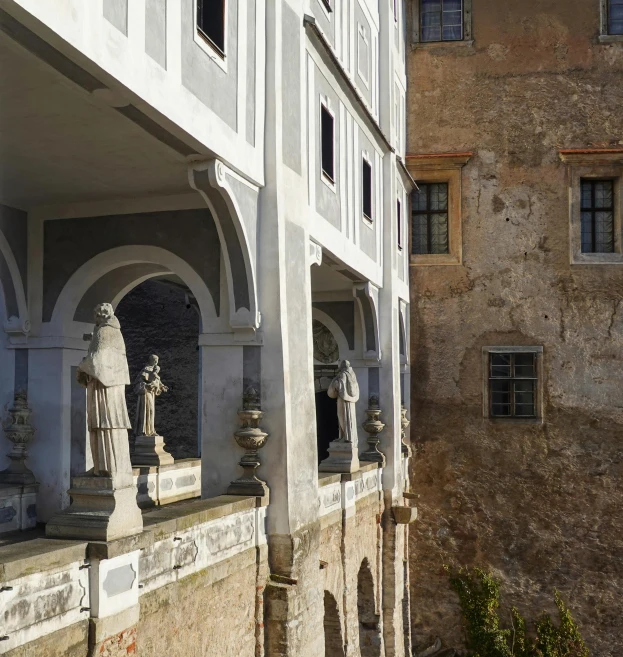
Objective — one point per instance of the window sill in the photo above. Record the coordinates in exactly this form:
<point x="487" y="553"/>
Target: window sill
<point x="597" y="259"/>
<point x="610" y="38"/>
<point x="434" y="259"/>
<point x="210" y="49"/>
<point x="328" y="182"/>
<point x="442" y="45"/>
<point x="515" y="420"/>
<point x="368" y="222"/>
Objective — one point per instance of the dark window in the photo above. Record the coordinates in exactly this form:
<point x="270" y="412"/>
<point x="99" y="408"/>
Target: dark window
<point x="512" y="385"/>
<point x="366" y="186"/>
<point x="395" y="10"/>
<point x="429" y="218"/>
<point x="327" y="4"/>
<point x="399" y="223"/>
<point x="328" y="140"/>
<point x="441" y="20"/>
<point x="615" y="16"/>
<point x="211" y="22"/>
<point x="597" y="216"/>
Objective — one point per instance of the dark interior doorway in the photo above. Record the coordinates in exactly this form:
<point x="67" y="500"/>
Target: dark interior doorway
<point x="157" y="318"/>
<point x="327" y="426"/>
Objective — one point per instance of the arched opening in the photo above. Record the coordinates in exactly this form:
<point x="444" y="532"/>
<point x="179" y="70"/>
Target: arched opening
<point x="159" y="317"/>
<point x="333" y="642"/>
<point x="326" y="357"/>
<point x="327" y="425"/>
<point x="369" y="633"/>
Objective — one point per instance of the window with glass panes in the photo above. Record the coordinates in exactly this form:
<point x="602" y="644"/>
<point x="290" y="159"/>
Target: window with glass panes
<point x="512" y="385"/>
<point x="429" y="218"/>
<point x="211" y="22"/>
<point x="441" y="20"/>
<point x="615" y="16"/>
<point x="597" y="216"/>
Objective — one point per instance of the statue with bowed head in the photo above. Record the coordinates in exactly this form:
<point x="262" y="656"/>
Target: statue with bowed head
<point x="104" y="499"/>
<point x="343" y="452"/>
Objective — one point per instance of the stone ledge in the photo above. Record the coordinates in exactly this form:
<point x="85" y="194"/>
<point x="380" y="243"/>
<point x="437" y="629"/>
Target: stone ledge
<point x="38" y="555"/>
<point x="178" y="465"/>
<point x="327" y="478"/>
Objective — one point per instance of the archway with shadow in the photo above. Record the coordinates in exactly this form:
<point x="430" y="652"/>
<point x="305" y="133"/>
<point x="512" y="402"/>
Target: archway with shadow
<point x="369" y="620"/>
<point x="160" y="316"/>
<point x="333" y="642"/>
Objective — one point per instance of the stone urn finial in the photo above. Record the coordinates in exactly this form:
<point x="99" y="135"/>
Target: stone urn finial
<point x="373" y="427"/>
<point x="19" y="431"/>
<point x="251" y="438"/>
<point x="404" y="423"/>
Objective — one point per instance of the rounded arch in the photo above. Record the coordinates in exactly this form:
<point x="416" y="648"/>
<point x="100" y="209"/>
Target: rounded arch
<point x="100" y="266"/>
<point x="369" y="620"/>
<point x="333" y="642"/>
<point x="14" y="297"/>
<point x="335" y="329"/>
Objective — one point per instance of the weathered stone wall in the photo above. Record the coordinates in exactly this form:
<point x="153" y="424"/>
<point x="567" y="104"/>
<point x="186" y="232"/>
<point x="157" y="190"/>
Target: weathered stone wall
<point x="155" y="320"/>
<point x="71" y="641"/>
<point x="538" y="504"/>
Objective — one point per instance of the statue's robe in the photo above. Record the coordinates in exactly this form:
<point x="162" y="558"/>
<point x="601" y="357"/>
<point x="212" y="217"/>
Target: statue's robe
<point x="106" y="370"/>
<point x="146" y="391"/>
<point x="346" y="389"/>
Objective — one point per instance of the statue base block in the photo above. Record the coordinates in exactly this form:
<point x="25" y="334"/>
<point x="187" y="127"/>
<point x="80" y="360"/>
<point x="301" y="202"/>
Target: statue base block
<point x="149" y="450"/>
<point x="343" y="457"/>
<point x="248" y="487"/>
<point x="98" y="512"/>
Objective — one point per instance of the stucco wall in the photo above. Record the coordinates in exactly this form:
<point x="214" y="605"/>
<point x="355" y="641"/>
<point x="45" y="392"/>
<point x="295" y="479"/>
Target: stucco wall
<point x="539" y="504"/>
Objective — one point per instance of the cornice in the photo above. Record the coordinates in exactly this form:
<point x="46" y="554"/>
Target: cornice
<point x="591" y="156"/>
<point x="437" y="161"/>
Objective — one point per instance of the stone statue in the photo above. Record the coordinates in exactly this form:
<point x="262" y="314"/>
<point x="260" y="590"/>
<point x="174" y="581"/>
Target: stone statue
<point x="345" y="388"/>
<point x="147" y="386"/>
<point x="104" y="373"/>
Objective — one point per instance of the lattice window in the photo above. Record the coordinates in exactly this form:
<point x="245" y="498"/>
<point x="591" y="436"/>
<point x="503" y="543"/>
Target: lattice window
<point x="597" y="216"/>
<point x="513" y="385"/>
<point x="430" y="218"/>
<point x="615" y="16"/>
<point x="441" y="20"/>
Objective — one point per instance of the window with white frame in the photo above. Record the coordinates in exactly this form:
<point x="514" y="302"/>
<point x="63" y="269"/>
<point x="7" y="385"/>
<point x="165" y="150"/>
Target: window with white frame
<point x="399" y="222"/>
<point x="327" y="143"/>
<point x="442" y="21"/>
<point x="211" y="23"/>
<point x="366" y="188"/>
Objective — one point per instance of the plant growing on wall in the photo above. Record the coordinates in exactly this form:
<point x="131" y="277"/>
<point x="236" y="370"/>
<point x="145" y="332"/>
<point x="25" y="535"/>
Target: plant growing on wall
<point x="479" y="597"/>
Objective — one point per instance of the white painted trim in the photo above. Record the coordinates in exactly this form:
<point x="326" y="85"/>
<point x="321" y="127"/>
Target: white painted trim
<point x="364" y="76"/>
<point x="219" y="59"/>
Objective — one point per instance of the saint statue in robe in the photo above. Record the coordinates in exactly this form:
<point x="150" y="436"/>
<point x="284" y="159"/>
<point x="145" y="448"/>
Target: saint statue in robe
<point x="147" y="386"/>
<point x="104" y="373"/>
<point x="345" y="389"/>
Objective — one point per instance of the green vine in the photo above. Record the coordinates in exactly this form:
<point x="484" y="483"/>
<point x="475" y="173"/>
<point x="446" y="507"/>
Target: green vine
<point x="479" y="597"/>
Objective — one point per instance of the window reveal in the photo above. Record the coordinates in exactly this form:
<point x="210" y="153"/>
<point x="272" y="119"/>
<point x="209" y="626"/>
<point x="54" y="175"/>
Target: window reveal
<point x="399" y="223"/>
<point x="211" y="22"/>
<point x="430" y="218"/>
<point x="441" y="20"/>
<point x="327" y="130"/>
<point x="512" y="385"/>
<point x="597" y="216"/>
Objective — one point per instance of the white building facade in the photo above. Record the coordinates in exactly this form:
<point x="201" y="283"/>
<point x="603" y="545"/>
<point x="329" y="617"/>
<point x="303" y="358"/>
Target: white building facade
<point x="251" y="151"/>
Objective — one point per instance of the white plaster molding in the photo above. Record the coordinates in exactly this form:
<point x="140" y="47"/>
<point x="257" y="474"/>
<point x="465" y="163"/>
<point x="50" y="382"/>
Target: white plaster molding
<point x="315" y="253"/>
<point x="114" y="584"/>
<point x="15" y="326"/>
<point x="94" y="269"/>
<point x="367" y="300"/>
<point x="338" y="334"/>
<point x="245" y="319"/>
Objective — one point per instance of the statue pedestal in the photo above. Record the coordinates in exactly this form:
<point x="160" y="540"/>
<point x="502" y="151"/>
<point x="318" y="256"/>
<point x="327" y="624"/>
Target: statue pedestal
<point x="98" y="512"/>
<point x="149" y="450"/>
<point x="343" y="457"/>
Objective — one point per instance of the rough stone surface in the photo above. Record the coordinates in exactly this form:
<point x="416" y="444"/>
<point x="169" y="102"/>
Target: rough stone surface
<point x="540" y="505"/>
<point x="71" y="641"/>
<point x="155" y="319"/>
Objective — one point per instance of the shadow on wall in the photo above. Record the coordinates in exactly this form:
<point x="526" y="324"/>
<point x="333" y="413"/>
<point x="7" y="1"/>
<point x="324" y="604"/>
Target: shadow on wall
<point x="369" y="630"/>
<point x="333" y="642"/>
<point x="155" y="319"/>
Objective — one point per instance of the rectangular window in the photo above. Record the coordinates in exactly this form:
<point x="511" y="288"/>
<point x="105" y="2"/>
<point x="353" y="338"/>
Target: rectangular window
<point x="597" y="216"/>
<point x="211" y="22"/>
<point x="399" y="223"/>
<point x="615" y="16"/>
<point x="327" y="5"/>
<point x="328" y="139"/>
<point x="429" y="217"/>
<point x="512" y="385"/>
<point x="366" y="189"/>
<point x="441" y="20"/>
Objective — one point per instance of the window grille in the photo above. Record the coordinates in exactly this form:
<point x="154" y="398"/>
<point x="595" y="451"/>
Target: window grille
<point x="615" y="16"/>
<point x="597" y="216"/>
<point x="211" y="22"/>
<point x="512" y="385"/>
<point x="430" y="218"/>
<point x="441" y="20"/>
